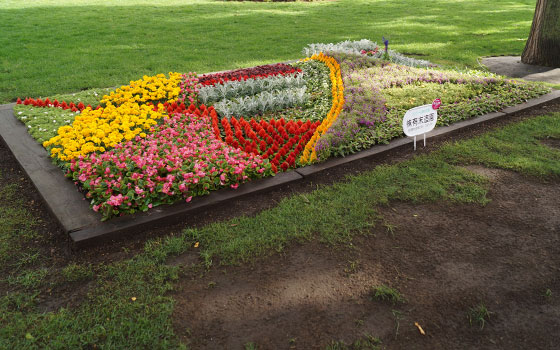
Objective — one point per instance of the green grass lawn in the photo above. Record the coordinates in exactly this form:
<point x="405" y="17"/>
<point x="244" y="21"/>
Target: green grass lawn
<point x="128" y="308"/>
<point x="60" y="46"/>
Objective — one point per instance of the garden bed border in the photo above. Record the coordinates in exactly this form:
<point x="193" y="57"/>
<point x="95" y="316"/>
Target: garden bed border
<point x="83" y="226"/>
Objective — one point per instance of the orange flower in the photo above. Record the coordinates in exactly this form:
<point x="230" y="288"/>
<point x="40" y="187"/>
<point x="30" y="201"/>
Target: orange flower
<point x="309" y="154"/>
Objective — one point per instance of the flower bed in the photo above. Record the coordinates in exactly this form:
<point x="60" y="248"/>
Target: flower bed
<point x="178" y="159"/>
<point x="163" y="139"/>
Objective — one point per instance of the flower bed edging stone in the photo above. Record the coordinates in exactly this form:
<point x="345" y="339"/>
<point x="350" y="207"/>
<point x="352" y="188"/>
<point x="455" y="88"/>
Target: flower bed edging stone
<point x="83" y="226"/>
<point x="60" y="195"/>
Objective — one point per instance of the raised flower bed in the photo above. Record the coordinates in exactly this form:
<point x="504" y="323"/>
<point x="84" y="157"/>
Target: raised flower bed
<point x="170" y="138"/>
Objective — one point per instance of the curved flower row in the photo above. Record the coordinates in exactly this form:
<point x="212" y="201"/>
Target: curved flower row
<point x="178" y="159"/>
<point x="268" y="70"/>
<point x="129" y="111"/>
<point x="155" y="89"/>
<point x="48" y="103"/>
<point x="309" y="154"/>
<point x="101" y="129"/>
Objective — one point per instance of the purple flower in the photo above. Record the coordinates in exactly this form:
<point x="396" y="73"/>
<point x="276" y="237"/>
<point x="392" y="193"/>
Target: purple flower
<point x="386" y="42"/>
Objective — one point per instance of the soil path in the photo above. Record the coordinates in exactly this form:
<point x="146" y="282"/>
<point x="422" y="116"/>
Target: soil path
<point x="443" y="258"/>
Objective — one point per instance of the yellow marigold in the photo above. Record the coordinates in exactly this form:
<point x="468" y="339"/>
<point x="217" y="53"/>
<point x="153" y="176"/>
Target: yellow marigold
<point x="153" y="89"/>
<point x="101" y="129"/>
<point x="309" y="155"/>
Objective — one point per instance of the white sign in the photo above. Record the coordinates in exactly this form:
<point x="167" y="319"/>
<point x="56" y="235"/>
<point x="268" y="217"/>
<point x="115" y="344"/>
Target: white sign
<point x="419" y="120"/>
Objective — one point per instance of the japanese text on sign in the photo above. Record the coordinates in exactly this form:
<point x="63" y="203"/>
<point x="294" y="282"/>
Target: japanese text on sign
<point x="419" y="120"/>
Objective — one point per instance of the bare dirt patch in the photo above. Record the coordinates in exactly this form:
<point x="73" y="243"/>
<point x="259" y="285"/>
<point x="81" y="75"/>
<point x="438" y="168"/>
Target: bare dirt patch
<point x="554" y="143"/>
<point x="444" y="258"/>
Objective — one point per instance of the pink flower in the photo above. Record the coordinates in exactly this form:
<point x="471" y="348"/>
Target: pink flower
<point x="181" y="153"/>
<point x="115" y="200"/>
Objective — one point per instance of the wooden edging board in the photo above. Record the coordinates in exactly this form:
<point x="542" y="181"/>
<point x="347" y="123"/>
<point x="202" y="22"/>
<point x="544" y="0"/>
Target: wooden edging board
<point x="84" y="226"/>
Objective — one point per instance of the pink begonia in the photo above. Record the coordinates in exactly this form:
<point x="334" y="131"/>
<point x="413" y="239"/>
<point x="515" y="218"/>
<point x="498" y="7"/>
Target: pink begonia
<point x="180" y="158"/>
<point x="115" y="200"/>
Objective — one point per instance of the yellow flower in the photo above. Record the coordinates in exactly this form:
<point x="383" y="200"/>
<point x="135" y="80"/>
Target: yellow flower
<point x="309" y="153"/>
<point x="101" y="129"/>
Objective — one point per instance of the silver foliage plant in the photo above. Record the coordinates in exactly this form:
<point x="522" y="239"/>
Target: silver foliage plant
<point x="262" y="102"/>
<point x="356" y="47"/>
<point x="401" y="59"/>
<point x="236" y="89"/>
<point x="347" y="47"/>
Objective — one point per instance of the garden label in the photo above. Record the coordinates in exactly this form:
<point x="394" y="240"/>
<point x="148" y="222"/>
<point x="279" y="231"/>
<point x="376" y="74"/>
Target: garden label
<point x="419" y="120"/>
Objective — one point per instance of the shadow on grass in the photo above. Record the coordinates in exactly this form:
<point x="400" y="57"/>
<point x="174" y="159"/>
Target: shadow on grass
<point x="54" y="49"/>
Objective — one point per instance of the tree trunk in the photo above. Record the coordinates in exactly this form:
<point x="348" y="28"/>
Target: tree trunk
<point x="543" y="45"/>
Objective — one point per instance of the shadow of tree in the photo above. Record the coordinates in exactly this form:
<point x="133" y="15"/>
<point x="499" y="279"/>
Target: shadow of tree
<point x="67" y="48"/>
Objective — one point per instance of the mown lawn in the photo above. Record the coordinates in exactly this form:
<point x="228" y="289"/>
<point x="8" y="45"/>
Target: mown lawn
<point x="57" y="46"/>
<point x="127" y="306"/>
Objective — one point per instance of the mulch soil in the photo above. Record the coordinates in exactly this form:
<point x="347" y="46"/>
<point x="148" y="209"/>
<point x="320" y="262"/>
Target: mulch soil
<point x="444" y="258"/>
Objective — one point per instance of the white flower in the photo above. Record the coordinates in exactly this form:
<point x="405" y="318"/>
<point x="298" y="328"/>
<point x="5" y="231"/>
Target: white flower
<point x="54" y="121"/>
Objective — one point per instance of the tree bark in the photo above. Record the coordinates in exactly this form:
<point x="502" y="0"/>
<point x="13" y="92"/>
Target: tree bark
<point x="543" y="45"/>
